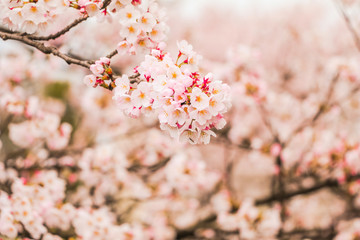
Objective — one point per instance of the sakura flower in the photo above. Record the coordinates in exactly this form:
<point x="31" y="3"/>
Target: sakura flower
<point x="104" y="60"/>
<point x="201" y="116"/>
<point x="141" y="96"/>
<point x="9" y="230"/>
<point x="90" y="80"/>
<point x="33" y="12"/>
<point x="129" y="14"/>
<point x="215" y="105"/>
<point x="185" y="47"/>
<point x="147" y="22"/>
<point x="174" y="73"/>
<point x="123" y="47"/>
<point x="160" y="82"/>
<point x="158" y="32"/>
<point x="177" y="116"/>
<point x="123" y="101"/>
<point x="190" y="136"/>
<point x="97" y="69"/>
<point x="205" y="135"/>
<point x="130" y="31"/>
<point x="199" y="99"/>
<point x="92" y="8"/>
<point x="123" y="85"/>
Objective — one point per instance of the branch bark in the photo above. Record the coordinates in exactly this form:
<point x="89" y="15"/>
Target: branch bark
<point x="59" y="33"/>
<point x="45" y="49"/>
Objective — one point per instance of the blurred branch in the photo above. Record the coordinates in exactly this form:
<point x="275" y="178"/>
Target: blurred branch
<point x="287" y="195"/>
<point x="228" y="170"/>
<point x="206" y="222"/>
<point x="265" y="119"/>
<point x="4" y="124"/>
<point x="245" y="144"/>
<point x="349" y="25"/>
<point x="281" y="189"/>
<point x="297" y="234"/>
<point x="315" y="234"/>
<point x="322" y="109"/>
<point x="152" y="168"/>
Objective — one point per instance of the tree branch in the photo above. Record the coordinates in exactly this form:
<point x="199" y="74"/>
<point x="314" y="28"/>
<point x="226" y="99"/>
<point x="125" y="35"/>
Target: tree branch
<point x="45" y="49"/>
<point x="349" y="25"/>
<point x="288" y="195"/>
<point x="113" y="53"/>
<point x="67" y="28"/>
<point x="61" y="32"/>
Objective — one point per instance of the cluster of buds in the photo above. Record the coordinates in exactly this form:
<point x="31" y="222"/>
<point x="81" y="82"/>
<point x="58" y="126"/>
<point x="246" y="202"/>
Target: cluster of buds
<point x="102" y="74"/>
<point x="188" y="105"/>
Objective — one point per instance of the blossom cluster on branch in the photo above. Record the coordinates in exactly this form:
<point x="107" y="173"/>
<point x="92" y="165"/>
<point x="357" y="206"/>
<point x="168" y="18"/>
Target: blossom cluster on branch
<point x="188" y="105"/>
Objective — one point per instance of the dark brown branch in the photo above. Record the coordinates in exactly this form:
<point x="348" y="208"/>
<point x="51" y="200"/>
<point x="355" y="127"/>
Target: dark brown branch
<point x="61" y="32"/>
<point x="67" y="28"/>
<point x="45" y="49"/>
<point x="318" y="234"/>
<point x="151" y="169"/>
<point x="183" y="234"/>
<point x="113" y="53"/>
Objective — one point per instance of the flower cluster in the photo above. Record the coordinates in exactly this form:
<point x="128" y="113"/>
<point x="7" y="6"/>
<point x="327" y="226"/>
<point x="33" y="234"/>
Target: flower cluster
<point x="46" y="128"/>
<point x="188" y="105"/>
<point x="36" y="206"/>
<point x="89" y="7"/>
<point x="28" y="203"/>
<point x="102" y="74"/>
<point x="252" y="222"/>
<point x="187" y="175"/>
<point x="30" y="16"/>
<point x="142" y="26"/>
